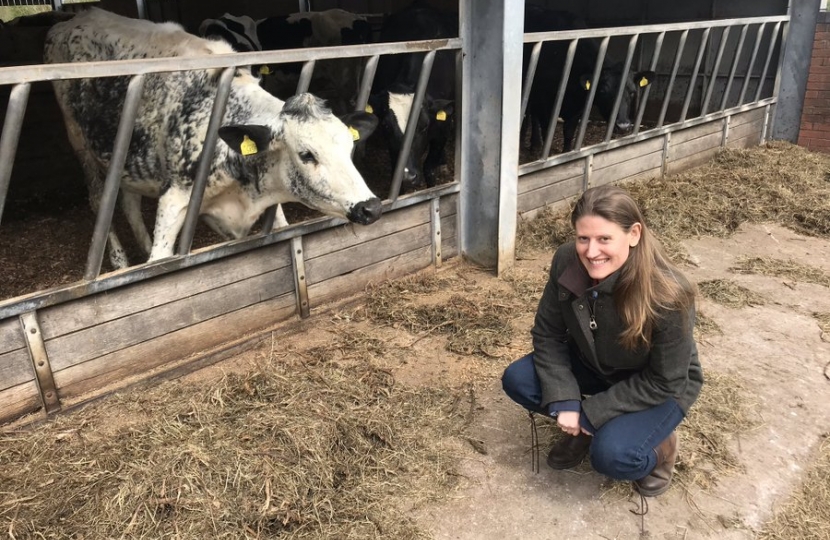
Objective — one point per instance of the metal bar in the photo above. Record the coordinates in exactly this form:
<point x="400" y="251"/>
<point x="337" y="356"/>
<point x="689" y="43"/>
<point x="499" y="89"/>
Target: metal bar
<point x="704" y="39"/>
<point x="643" y="101"/>
<point x="305" y="76"/>
<point x="562" y="35"/>
<point x="300" y="284"/>
<point x="560" y="96"/>
<point x="40" y="362"/>
<point x="113" y="68"/>
<point x="667" y="97"/>
<point x="734" y="67"/>
<point x="772" y="42"/>
<point x="109" y="196"/>
<point x="632" y="44"/>
<point x="752" y="59"/>
<point x="197" y="192"/>
<point x="583" y="122"/>
<point x="714" y="79"/>
<point x="412" y="124"/>
<point x="531" y="73"/>
<point x="141" y="8"/>
<point x="435" y="220"/>
<point x="527" y="168"/>
<point x="18" y="98"/>
<point x="366" y="82"/>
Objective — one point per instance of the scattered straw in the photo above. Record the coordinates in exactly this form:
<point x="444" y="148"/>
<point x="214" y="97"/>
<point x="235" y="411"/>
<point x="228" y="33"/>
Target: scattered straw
<point x="783" y="268"/>
<point x="823" y="320"/>
<point x="728" y="293"/>
<point x="705" y="326"/>
<point x="323" y="449"/>
<point x="807" y="514"/>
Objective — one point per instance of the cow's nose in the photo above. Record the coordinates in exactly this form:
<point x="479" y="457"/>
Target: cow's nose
<point x="366" y="212"/>
<point x="623" y="126"/>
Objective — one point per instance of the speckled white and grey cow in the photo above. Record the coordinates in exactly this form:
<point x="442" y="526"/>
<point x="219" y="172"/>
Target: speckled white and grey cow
<point x="270" y="151"/>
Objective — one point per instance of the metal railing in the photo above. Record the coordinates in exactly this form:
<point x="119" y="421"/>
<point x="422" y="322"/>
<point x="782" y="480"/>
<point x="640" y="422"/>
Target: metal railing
<point x="767" y="29"/>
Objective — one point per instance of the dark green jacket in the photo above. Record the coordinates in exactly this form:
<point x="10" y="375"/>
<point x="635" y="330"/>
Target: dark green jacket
<point x="639" y="379"/>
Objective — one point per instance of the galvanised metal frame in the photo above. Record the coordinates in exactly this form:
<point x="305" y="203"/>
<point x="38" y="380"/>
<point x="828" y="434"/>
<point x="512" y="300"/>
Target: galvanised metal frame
<point x="634" y="33"/>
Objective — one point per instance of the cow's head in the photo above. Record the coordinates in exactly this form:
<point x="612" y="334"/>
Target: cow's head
<point x="306" y="157"/>
<point x="606" y="93"/>
<point x="392" y="108"/>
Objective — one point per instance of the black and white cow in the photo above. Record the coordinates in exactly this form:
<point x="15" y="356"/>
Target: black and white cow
<point x="549" y="73"/>
<point x="270" y="151"/>
<point x="393" y="92"/>
<point x="334" y="80"/>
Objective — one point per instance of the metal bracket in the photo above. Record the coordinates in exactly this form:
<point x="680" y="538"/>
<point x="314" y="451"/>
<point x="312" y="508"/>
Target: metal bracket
<point x="435" y="212"/>
<point x="589" y="169"/>
<point x="40" y="361"/>
<point x="727" y="121"/>
<point x="664" y="166"/>
<point x="298" y="261"/>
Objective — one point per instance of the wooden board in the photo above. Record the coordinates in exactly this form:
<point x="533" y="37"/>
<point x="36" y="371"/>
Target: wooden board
<point x="691" y="147"/>
<point x="692" y="161"/>
<point x="746" y="117"/>
<point x="547" y="195"/>
<point x="11" y="336"/>
<point x="553" y="175"/>
<point x="343" y="286"/>
<point x="113" y="335"/>
<point x="702" y="130"/>
<point x="15" y="368"/>
<point x="751" y="129"/>
<point x="116" y="368"/>
<point x="643" y="166"/>
<point x="74" y="316"/>
<point x="449" y="237"/>
<point x="625" y="155"/>
<point x="19" y="400"/>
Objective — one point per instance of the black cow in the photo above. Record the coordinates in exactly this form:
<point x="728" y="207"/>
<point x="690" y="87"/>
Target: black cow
<point x="394" y="86"/>
<point x="549" y="73"/>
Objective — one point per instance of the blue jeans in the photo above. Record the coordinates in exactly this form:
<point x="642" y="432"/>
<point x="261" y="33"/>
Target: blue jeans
<point x="623" y="448"/>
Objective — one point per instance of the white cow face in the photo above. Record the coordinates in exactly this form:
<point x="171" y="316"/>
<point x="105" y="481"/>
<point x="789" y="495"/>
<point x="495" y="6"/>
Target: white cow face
<point x="309" y="158"/>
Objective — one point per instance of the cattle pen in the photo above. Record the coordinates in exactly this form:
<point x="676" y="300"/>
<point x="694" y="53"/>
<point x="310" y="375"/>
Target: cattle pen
<point x="718" y="84"/>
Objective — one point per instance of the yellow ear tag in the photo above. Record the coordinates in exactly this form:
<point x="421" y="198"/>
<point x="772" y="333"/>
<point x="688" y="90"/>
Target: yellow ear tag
<point x="441" y="116"/>
<point x="248" y="146"/>
<point x="264" y="70"/>
<point x="369" y="109"/>
<point x="355" y="133"/>
<point x="587" y="85"/>
<point x="643" y="82"/>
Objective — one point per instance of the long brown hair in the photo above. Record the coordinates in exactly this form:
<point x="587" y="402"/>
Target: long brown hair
<point x="649" y="283"/>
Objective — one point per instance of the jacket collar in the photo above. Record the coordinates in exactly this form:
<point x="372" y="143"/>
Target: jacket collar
<point x="575" y="278"/>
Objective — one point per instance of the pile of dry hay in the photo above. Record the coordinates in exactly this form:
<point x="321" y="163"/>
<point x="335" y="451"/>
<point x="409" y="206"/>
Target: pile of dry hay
<point x="318" y="444"/>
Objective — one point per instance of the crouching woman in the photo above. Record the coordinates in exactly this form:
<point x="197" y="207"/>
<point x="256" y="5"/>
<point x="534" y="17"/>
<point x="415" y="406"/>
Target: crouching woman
<point x="614" y="358"/>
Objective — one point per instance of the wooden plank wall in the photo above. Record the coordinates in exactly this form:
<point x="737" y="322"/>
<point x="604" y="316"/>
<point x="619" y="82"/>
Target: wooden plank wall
<point x="100" y="342"/>
<point x="672" y="152"/>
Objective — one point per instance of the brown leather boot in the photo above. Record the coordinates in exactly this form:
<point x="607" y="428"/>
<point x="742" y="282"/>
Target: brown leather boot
<point x="569" y="451"/>
<point x="659" y="480"/>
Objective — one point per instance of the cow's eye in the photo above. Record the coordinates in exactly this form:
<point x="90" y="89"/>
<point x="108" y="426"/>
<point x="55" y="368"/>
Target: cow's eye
<point x="308" y="157"/>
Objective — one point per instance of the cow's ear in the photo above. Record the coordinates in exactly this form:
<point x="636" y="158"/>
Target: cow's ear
<point x="644" y="78"/>
<point x="361" y="124"/>
<point x="585" y="82"/>
<point x="246" y="140"/>
<point x="441" y="109"/>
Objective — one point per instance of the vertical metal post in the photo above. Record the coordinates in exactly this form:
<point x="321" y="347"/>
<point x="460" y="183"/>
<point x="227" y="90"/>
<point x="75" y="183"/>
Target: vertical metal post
<point x="411" y="124"/>
<point x="643" y="101"/>
<point x="734" y="68"/>
<point x="632" y="44"/>
<point x="667" y="98"/>
<point x="435" y="220"/>
<point x="106" y="207"/>
<point x="560" y="96"/>
<point x="490" y="109"/>
<point x="589" y="102"/>
<point x="724" y="37"/>
<point x="790" y="84"/>
<point x="704" y="39"/>
<point x="15" y="112"/>
<point x="197" y="192"/>
<point x="751" y="64"/>
<point x="531" y="73"/>
<point x="40" y="362"/>
<point x="366" y="82"/>
<point x="141" y="8"/>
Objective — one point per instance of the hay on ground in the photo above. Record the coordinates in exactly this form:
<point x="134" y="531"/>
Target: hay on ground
<point x="728" y="293"/>
<point x="293" y="449"/>
<point x="782" y="268"/>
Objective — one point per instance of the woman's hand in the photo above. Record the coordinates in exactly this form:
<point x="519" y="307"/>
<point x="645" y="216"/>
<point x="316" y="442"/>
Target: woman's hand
<point x="568" y="422"/>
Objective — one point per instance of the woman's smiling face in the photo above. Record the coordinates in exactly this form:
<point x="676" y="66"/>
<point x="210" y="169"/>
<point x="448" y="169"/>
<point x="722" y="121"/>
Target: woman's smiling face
<point x="603" y="246"/>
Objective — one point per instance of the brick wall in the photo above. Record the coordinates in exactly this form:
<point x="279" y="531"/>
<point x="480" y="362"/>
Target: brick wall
<point x="815" y="116"/>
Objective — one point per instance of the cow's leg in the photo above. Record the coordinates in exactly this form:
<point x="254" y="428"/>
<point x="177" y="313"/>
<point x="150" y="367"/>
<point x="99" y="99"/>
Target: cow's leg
<point x="131" y="205"/>
<point x="279" y="221"/>
<point x="435" y="158"/>
<point x="170" y="216"/>
<point x="568" y="132"/>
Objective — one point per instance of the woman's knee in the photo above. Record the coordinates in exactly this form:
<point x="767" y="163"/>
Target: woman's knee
<point x="520" y="383"/>
<point x="614" y="458"/>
